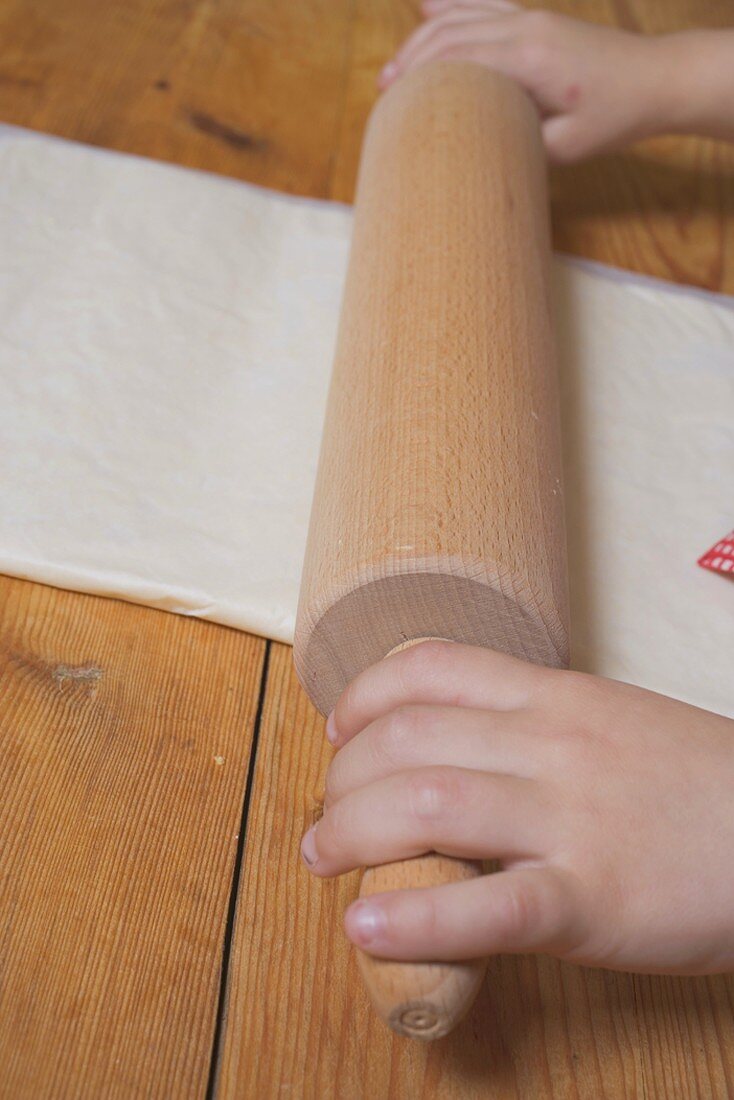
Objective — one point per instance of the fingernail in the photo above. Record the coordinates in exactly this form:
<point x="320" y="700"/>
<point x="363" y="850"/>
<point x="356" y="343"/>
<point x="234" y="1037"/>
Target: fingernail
<point x="389" y="72"/>
<point x="308" y="847"/>
<point x="331" y="730"/>
<point x="365" y="922"/>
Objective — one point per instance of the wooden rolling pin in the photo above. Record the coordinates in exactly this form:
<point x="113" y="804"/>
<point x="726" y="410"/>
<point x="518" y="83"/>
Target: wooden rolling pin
<point x="438" y="508"/>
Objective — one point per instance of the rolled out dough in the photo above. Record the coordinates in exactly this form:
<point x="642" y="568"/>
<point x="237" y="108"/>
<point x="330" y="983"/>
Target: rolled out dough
<point x="165" y="344"/>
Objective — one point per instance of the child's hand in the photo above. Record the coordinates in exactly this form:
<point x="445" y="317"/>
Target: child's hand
<point x="596" y="88"/>
<point x="609" y="808"/>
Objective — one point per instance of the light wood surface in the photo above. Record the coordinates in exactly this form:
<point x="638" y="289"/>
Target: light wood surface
<point x="278" y="93"/>
<point x="438" y="508"/>
<point x="124" y="745"/>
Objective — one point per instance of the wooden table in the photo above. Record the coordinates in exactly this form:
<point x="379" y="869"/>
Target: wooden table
<point x="158" y="937"/>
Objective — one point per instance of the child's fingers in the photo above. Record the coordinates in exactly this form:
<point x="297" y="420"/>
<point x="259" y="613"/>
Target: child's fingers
<point x="527" y="909"/>
<point x="451" y="31"/>
<point x="422" y="39"/>
<point x="433" y="8"/>
<point x="498" y="54"/>
<point x="438" y="673"/>
<point x="423" y="736"/>
<point x="459" y="812"/>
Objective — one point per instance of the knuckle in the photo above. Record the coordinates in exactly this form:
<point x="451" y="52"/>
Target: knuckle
<point x="534" y="56"/>
<point x="517" y="914"/>
<point x="423" y="918"/>
<point x="394" y="735"/>
<point x="578" y="683"/>
<point x="424" y="661"/>
<point x="574" y="751"/>
<point x="434" y="793"/>
<point x="586" y="701"/>
<point x="349" y="700"/>
<point x="332" y="781"/>
<point x="572" y="698"/>
<point x="333" y="831"/>
<point x="535" y="42"/>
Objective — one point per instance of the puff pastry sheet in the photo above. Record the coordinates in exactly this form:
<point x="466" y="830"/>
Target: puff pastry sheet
<point x="165" y="346"/>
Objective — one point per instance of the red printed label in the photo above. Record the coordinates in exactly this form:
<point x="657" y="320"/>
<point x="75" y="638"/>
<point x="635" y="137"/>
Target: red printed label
<point x="720" y="557"/>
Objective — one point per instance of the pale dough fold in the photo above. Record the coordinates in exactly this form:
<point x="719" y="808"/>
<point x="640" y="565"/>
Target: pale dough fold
<point x="165" y="344"/>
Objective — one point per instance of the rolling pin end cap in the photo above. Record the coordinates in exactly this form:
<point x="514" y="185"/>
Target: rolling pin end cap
<point x="420" y="1020"/>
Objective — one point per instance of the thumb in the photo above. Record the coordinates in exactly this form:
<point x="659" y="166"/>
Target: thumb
<point x="521" y="910"/>
<point x="562" y="138"/>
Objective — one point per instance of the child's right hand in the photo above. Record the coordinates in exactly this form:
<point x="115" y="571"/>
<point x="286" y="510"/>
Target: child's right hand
<point x="596" y="88"/>
<point x="608" y="807"/>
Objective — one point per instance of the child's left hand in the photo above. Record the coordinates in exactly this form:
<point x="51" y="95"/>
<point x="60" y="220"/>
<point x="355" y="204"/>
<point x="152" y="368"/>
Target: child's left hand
<point x="596" y="88"/>
<point x="609" y="808"/>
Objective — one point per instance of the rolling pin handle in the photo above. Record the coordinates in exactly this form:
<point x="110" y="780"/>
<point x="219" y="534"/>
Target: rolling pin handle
<point x="420" y="1000"/>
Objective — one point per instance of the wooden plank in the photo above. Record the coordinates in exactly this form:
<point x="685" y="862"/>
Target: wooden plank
<point x="297" y="1022"/>
<point x="124" y="747"/>
<point x="245" y="88"/>
<point x="118" y="830"/>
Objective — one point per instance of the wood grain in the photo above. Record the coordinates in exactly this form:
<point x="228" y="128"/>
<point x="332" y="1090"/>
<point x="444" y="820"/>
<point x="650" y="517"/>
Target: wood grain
<point x="124" y="743"/>
<point x="247" y="89"/>
<point x="438" y="507"/>
<point x="278" y="93"/>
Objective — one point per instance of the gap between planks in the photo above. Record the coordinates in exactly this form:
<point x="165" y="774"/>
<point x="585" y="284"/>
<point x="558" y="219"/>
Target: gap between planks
<point x="221" y="1017"/>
